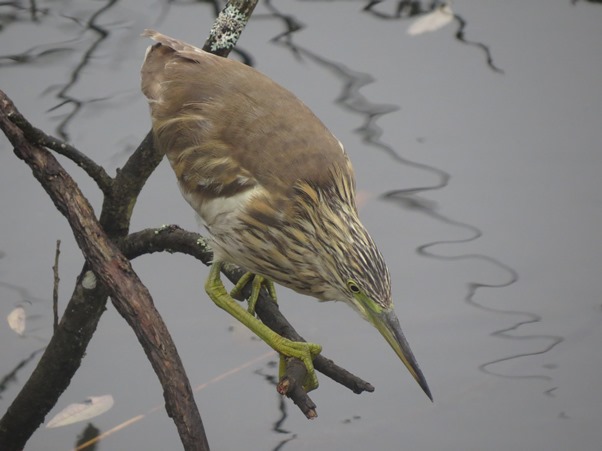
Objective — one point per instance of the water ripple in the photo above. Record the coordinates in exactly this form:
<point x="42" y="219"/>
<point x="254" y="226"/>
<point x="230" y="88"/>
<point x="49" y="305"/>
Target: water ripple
<point x="405" y="9"/>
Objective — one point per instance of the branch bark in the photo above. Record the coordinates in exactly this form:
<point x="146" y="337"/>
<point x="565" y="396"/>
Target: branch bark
<point x="130" y="297"/>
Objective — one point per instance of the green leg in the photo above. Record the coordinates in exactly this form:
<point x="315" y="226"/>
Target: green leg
<point x="258" y="281"/>
<point x="300" y="350"/>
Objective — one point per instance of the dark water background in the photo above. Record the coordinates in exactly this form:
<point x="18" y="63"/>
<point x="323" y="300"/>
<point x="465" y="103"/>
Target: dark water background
<point x="477" y="150"/>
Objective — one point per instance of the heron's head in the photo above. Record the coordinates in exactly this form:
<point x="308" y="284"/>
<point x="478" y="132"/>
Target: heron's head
<point x="358" y="275"/>
<point x="341" y="261"/>
<point x="368" y="290"/>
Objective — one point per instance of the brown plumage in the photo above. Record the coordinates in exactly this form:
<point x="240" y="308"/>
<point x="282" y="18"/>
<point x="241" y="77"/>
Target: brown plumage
<point x="270" y="182"/>
<point x="187" y="83"/>
<point x="231" y="132"/>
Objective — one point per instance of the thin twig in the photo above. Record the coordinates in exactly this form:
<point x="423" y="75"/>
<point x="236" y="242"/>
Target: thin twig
<point x="55" y="287"/>
<point x="37" y="136"/>
<point x="291" y="385"/>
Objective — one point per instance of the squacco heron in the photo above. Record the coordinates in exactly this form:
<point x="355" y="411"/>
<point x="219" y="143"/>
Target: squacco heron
<point x="274" y="188"/>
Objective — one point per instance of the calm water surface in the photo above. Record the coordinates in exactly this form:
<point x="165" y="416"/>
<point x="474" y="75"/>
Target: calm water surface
<point x="477" y="150"/>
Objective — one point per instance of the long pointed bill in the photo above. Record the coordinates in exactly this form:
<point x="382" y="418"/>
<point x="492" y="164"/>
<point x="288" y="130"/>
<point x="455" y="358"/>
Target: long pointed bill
<point x="388" y="325"/>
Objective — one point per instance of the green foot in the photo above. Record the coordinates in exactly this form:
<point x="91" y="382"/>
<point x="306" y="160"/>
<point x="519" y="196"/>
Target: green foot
<point x="257" y="283"/>
<point x="306" y="354"/>
<point x="303" y="351"/>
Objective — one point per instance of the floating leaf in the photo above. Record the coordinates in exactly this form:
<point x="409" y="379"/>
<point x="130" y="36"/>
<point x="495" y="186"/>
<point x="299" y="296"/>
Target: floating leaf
<point x="89" y="408"/>
<point x="437" y="18"/>
<point x="16" y="320"/>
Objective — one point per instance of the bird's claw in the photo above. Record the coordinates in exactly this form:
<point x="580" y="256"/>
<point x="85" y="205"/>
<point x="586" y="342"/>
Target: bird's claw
<point x="306" y="352"/>
<point x="257" y="282"/>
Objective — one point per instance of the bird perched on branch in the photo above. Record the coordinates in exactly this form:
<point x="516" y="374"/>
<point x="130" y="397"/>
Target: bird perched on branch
<point x="274" y="188"/>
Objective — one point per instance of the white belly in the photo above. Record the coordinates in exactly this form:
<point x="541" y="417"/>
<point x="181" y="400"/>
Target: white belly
<point x="220" y="216"/>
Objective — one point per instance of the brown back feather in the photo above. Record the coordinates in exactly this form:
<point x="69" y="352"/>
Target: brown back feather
<point x="244" y="127"/>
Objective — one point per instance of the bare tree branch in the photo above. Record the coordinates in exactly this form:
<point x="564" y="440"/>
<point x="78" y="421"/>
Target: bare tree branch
<point x="37" y="136"/>
<point x="130" y="297"/>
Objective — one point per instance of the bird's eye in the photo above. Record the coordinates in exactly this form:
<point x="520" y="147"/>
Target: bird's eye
<point x="353" y="286"/>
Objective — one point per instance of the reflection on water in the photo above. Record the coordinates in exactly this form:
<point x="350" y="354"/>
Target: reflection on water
<point x="58" y="50"/>
<point x="12" y="376"/>
<point x="278" y="425"/>
<point x="25" y="298"/>
<point x="405" y="9"/>
<point x="89" y="433"/>
<point x="63" y="94"/>
<point x="90" y="30"/>
<point x="408" y="200"/>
